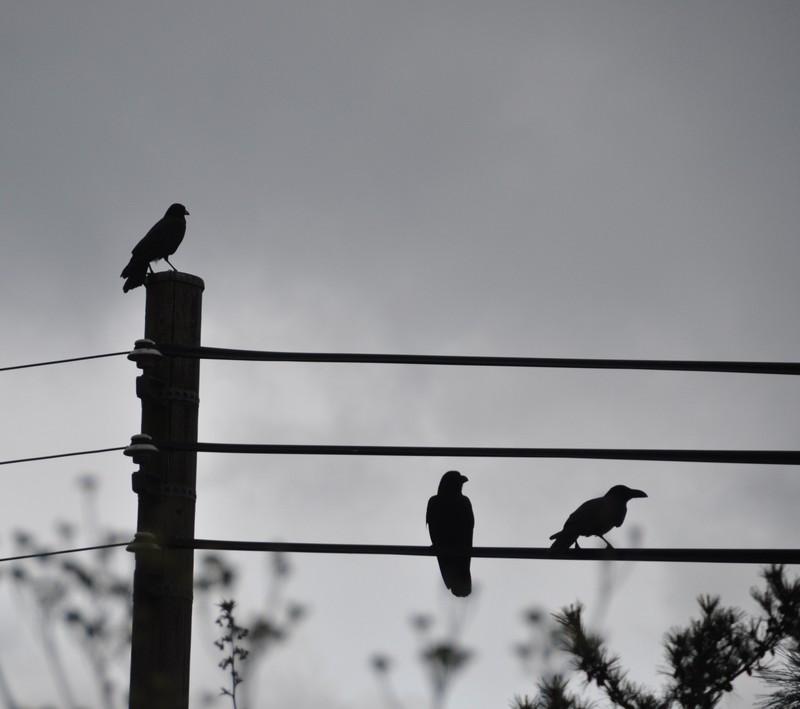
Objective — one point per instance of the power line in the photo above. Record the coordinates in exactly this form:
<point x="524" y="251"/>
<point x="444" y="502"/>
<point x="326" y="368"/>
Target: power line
<point x="743" y="457"/>
<point x="42" y="554"/>
<point x="722" y="556"/>
<point x="219" y="353"/>
<point x="62" y="361"/>
<point x="747" y="457"/>
<point x="61" y="455"/>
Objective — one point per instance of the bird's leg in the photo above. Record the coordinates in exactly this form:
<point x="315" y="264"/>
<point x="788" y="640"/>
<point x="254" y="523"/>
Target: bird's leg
<point x="170" y="265"/>
<point x="150" y="268"/>
<point x="577" y="546"/>
<point x="608" y="544"/>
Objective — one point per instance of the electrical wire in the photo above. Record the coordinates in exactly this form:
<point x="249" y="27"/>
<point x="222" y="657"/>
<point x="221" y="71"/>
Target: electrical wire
<point x="62" y="361"/>
<point x="723" y="556"/>
<point x="61" y="455"/>
<point x="42" y="554"/>
<point x="742" y="457"/>
<point x="747" y="457"/>
<point x="219" y="353"/>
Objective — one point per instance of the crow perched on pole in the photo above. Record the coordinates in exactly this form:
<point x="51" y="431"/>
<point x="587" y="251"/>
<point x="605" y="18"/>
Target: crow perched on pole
<point x="160" y="242"/>
<point x="596" y="518"/>
<point x="450" y="523"/>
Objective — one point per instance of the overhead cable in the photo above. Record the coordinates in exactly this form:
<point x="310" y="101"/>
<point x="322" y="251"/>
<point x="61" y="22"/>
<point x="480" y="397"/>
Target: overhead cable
<point x="43" y="554"/>
<point x="62" y="361"/>
<point x="743" y="367"/>
<point x="61" y="455"/>
<point x="722" y="556"/>
<point x="746" y="457"/>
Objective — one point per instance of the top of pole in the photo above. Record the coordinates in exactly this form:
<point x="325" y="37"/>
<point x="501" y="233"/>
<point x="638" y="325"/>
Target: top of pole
<point x="174" y="277"/>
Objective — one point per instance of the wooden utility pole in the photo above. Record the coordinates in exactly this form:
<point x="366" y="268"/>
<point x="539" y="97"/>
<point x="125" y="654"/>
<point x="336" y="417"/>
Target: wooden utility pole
<point x="166" y="486"/>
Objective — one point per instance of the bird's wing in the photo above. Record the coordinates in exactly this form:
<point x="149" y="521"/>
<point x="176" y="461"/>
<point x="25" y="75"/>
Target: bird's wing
<point x="597" y="516"/>
<point x="619" y="517"/>
<point x="162" y="240"/>
<point x="430" y="512"/>
<point x="450" y="521"/>
<point x="467" y="521"/>
<point x="584" y="516"/>
<point x="148" y="242"/>
<point x="450" y="524"/>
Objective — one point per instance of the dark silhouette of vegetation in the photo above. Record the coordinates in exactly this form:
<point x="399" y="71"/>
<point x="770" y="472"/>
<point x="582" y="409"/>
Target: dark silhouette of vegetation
<point x="704" y="658"/>
<point x="539" y="653"/>
<point x="785" y="678"/>
<point x="553" y="694"/>
<point x="268" y="627"/>
<point x="382" y="665"/>
<point x="443" y="658"/>
<point x="229" y="642"/>
<point x="88" y="595"/>
<point x="80" y="607"/>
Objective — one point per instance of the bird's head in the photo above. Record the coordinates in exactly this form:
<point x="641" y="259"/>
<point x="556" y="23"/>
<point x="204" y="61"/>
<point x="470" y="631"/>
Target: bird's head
<point x="623" y="492"/>
<point x="452" y="481"/>
<point x="176" y="210"/>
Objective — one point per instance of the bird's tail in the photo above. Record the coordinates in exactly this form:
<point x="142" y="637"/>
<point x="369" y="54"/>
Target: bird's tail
<point x="563" y="540"/>
<point x="129" y="270"/>
<point x="456" y="575"/>
<point x="462" y="586"/>
<point x="135" y="273"/>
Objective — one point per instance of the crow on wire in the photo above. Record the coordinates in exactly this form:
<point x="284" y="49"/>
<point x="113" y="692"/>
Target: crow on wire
<point x="596" y="518"/>
<point x="160" y="242"/>
<point x="450" y="524"/>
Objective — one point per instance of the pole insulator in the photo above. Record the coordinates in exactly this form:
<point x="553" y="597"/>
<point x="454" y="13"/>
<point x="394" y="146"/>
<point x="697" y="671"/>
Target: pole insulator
<point x="141" y="448"/>
<point x="145" y="353"/>
<point x="144" y="542"/>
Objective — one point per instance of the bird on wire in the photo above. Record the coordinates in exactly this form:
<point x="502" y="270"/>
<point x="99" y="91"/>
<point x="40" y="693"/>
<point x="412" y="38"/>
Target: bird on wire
<point x="450" y="523"/>
<point x="596" y="518"/>
<point x="161" y="241"/>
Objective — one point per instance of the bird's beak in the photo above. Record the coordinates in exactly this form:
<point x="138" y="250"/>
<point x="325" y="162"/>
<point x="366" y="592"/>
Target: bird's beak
<point x="464" y="479"/>
<point x="185" y="211"/>
<point x="638" y="493"/>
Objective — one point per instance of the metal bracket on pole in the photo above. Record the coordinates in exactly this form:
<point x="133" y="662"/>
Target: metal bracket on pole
<point x="142" y="451"/>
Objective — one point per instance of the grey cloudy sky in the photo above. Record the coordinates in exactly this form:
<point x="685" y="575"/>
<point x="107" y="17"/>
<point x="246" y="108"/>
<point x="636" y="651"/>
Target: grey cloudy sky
<point x="579" y="179"/>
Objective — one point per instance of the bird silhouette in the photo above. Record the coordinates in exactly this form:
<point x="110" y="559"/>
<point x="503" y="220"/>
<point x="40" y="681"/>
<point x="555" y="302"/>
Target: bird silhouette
<point x="450" y="523"/>
<point x="596" y="518"/>
<point x="161" y="241"/>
